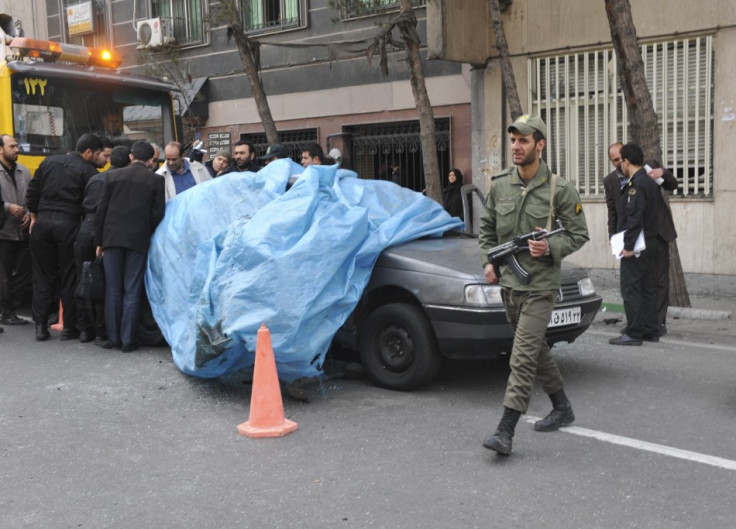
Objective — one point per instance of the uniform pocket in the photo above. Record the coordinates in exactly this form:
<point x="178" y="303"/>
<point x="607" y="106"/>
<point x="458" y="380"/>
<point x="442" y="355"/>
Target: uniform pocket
<point x="505" y="220"/>
<point x="538" y="215"/>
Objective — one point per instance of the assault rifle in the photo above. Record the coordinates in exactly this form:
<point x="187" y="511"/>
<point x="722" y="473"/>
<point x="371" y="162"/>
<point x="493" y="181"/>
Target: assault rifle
<point x="506" y="252"/>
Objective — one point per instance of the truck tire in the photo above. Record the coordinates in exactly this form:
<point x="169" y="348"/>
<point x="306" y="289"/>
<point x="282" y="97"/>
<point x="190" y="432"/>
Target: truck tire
<point x="398" y="347"/>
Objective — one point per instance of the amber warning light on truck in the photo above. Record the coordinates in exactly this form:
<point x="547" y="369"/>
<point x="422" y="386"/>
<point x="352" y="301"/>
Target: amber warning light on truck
<point x="57" y="51"/>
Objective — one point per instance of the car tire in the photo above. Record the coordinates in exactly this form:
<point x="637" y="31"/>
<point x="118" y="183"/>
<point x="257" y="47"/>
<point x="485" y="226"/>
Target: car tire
<point x="149" y="333"/>
<point x="398" y="347"/>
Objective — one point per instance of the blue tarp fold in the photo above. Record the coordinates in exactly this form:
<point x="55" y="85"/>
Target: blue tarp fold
<point x="240" y="250"/>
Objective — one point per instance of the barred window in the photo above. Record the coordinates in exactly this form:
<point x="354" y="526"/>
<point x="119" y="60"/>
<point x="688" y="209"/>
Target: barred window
<point x="580" y="98"/>
<point x="357" y="8"/>
<point x="393" y="151"/>
<point x="186" y="18"/>
<point x="292" y="140"/>
<point x="267" y="15"/>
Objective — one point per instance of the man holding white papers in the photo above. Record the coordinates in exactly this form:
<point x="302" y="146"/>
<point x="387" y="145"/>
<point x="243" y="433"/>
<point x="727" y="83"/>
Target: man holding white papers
<point x="639" y="212"/>
<point x="613" y="185"/>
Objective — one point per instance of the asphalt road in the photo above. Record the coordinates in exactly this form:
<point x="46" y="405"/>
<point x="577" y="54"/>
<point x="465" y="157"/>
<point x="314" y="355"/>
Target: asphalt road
<point x="101" y="439"/>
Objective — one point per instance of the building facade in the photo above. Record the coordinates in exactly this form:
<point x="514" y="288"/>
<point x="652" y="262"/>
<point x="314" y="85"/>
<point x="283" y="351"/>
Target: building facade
<point x="320" y="87"/>
<point x="566" y="71"/>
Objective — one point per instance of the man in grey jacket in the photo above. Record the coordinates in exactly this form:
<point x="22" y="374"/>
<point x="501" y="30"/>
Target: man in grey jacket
<point x="179" y="173"/>
<point x="14" y="254"/>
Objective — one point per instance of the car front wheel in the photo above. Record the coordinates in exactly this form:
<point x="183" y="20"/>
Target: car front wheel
<point x="398" y="347"/>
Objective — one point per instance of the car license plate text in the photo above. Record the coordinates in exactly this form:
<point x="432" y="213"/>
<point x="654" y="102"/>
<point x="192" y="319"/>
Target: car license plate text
<point x="568" y="316"/>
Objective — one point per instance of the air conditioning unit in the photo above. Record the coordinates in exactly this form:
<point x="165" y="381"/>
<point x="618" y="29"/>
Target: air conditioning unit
<point x="154" y="32"/>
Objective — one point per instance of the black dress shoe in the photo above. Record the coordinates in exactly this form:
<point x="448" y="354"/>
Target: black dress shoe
<point x="86" y="336"/>
<point x="650" y="338"/>
<point x="10" y="318"/>
<point x="107" y="344"/>
<point x="42" y="332"/>
<point x="69" y="334"/>
<point x="129" y="347"/>
<point x="625" y="339"/>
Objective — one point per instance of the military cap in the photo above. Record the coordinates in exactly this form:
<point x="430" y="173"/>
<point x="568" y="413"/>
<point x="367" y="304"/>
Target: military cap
<point x="527" y="124"/>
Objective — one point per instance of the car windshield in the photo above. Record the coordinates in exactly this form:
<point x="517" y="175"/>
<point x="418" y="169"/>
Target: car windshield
<point x="49" y="114"/>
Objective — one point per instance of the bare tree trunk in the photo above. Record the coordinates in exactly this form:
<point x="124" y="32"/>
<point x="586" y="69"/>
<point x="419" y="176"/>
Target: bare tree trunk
<point x="507" y="71"/>
<point x="247" y="50"/>
<point x="410" y="35"/>
<point x="227" y="13"/>
<point x="642" y="117"/>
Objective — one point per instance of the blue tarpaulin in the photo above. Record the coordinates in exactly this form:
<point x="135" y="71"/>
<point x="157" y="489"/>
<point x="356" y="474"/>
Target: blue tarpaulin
<point x="241" y="250"/>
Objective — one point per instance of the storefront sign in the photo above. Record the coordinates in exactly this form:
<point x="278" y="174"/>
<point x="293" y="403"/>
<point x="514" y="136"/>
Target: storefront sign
<point x="80" y="19"/>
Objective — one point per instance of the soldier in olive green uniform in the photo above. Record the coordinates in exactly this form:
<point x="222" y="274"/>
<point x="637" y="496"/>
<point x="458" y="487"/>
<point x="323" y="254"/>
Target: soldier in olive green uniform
<point x="518" y="203"/>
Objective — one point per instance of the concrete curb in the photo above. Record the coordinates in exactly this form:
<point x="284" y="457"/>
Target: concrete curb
<point x="690" y="313"/>
<point x="685" y="313"/>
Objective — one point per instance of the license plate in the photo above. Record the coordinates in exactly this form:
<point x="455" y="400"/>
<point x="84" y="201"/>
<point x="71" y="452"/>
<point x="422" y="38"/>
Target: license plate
<point x="568" y="316"/>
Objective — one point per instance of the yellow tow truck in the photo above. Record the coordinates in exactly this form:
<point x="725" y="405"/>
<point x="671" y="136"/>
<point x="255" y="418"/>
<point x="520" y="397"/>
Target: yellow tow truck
<point x="51" y="93"/>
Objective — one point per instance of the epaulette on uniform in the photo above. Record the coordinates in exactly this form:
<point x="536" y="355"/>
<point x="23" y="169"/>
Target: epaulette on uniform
<point x="505" y="172"/>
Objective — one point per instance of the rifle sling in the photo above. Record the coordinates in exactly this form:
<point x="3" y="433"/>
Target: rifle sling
<point x="552" y="189"/>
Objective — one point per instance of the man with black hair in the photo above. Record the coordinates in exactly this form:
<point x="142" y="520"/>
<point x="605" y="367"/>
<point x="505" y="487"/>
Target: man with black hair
<point x="91" y="316"/>
<point x="103" y="158"/>
<point x="640" y="201"/>
<point x="522" y="199"/>
<point x="244" y="157"/>
<point x="614" y="184"/>
<point x="54" y="198"/>
<point x="130" y="208"/>
<point x="14" y="179"/>
<point x="312" y="154"/>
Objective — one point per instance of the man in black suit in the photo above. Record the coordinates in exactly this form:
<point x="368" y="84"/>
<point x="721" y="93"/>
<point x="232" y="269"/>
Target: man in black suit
<point x="131" y="206"/>
<point x="639" y="213"/>
<point x="613" y="183"/>
<point x="54" y="198"/>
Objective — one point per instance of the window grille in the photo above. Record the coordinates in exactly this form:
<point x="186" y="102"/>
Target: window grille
<point x="580" y="98"/>
<point x="292" y="140"/>
<point x="267" y="15"/>
<point x="376" y="149"/>
<point x="357" y="8"/>
<point x="186" y="16"/>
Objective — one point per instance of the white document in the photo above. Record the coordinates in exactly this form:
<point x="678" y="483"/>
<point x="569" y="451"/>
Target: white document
<point x="617" y="244"/>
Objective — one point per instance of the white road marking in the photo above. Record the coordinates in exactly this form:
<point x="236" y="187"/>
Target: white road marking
<point x="670" y="341"/>
<point x="687" y="455"/>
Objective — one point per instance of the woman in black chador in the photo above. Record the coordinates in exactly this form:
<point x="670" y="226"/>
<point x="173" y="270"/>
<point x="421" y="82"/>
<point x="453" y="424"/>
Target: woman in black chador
<point x="451" y="198"/>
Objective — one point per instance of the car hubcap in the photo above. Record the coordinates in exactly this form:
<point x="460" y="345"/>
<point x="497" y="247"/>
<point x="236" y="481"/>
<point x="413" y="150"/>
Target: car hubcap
<point x="395" y="348"/>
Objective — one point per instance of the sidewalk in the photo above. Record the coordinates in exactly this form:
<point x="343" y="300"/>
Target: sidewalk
<point x="705" y="302"/>
<point x="703" y="307"/>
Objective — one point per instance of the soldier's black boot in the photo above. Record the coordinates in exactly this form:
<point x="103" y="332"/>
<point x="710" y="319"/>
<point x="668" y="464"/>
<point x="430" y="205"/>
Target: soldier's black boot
<point x="561" y="414"/>
<point x="42" y="331"/>
<point x="501" y="440"/>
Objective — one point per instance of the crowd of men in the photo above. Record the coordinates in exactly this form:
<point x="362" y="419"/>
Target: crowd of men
<point x="70" y="213"/>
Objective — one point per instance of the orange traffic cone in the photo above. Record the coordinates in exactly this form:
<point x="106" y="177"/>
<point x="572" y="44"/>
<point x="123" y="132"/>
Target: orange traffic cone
<point x="266" y="408"/>
<point x="59" y="325"/>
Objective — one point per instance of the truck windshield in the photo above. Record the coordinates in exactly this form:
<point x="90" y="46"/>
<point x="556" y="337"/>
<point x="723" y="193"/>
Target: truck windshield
<point x="50" y="114"/>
